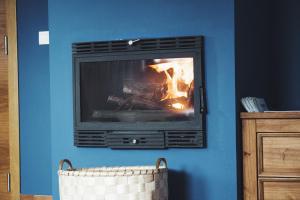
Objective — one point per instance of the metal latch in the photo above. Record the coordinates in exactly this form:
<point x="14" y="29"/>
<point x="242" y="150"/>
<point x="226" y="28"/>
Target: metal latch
<point x="203" y="108"/>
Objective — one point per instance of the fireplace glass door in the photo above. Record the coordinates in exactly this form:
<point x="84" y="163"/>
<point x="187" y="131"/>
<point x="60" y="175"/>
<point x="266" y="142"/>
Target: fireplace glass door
<point x="137" y="90"/>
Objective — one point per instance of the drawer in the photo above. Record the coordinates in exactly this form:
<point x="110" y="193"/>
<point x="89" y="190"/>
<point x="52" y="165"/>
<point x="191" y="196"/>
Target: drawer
<point x="278" y="154"/>
<point x="279" y="189"/>
<point x="278" y="125"/>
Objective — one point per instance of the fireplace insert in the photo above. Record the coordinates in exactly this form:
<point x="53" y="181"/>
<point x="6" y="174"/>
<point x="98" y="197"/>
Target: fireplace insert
<point x="142" y="93"/>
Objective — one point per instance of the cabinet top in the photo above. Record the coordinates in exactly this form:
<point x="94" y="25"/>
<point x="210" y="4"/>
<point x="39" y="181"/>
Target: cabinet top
<point x="270" y="115"/>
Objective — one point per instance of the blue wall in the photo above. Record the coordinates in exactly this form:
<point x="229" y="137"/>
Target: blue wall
<point x="34" y="94"/>
<point x="204" y="173"/>
<point x="285" y="50"/>
<point x="267" y="50"/>
<point x="210" y="173"/>
<point x="254" y="75"/>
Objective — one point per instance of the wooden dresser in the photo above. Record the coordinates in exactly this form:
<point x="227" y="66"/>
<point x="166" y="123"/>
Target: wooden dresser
<point x="271" y="155"/>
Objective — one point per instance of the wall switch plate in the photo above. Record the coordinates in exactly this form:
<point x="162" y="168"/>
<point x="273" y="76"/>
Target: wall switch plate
<point x="43" y="37"/>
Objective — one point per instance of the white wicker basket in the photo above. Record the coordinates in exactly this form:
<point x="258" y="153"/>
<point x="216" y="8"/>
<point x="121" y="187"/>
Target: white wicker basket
<point x="114" y="183"/>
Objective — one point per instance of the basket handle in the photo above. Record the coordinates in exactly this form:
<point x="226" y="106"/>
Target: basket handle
<point x="62" y="162"/>
<point x="158" y="162"/>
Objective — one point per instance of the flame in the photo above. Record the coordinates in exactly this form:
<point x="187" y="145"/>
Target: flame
<point x="178" y="71"/>
<point x="178" y="106"/>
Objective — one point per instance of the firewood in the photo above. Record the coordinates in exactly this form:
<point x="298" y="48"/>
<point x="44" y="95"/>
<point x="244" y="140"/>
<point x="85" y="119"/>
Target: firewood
<point x="132" y="102"/>
<point x="117" y="100"/>
<point x="169" y="102"/>
<point x="148" y="97"/>
<point x="144" y="103"/>
<point x="147" y="90"/>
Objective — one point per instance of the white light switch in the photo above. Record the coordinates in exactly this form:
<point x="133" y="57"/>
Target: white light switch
<point x="43" y="37"/>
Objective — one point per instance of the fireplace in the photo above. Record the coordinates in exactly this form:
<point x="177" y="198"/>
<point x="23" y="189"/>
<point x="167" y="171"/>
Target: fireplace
<point x="143" y="93"/>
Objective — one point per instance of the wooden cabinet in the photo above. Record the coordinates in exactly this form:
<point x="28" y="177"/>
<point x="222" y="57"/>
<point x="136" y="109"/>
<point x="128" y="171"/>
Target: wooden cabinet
<point x="271" y="156"/>
<point x="9" y="106"/>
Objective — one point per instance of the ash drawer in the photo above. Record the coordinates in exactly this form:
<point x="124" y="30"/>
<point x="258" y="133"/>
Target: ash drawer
<point x="278" y="154"/>
<point x="279" y="189"/>
<point x="136" y="139"/>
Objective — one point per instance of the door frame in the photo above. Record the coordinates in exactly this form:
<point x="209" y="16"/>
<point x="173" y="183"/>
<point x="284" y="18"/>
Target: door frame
<point x="13" y="97"/>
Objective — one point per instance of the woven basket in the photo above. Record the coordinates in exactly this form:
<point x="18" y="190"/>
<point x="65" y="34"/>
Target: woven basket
<point x="114" y="183"/>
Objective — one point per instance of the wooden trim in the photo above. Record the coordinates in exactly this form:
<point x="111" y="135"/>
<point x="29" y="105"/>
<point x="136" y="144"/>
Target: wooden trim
<point x="259" y="144"/>
<point x="261" y="182"/>
<point x="35" y="197"/>
<point x="270" y="115"/>
<point x="13" y="99"/>
<point x="3" y="182"/>
<point x="260" y="190"/>
<point x="249" y="160"/>
<point x="278" y="125"/>
<point x="279" y="179"/>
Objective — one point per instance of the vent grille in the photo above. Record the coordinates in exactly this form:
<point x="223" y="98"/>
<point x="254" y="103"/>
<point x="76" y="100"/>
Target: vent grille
<point x="138" y="45"/>
<point x="185" y="139"/>
<point x="136" y="139"/>
<point x="90" y="139"/>
<point x="140" y="139"/>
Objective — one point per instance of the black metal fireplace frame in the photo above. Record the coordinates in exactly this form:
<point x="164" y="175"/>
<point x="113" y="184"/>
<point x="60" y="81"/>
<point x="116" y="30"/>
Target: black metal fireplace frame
<point x="141" y="134"/>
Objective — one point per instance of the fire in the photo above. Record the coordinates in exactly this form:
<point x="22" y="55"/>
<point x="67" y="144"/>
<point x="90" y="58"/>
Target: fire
<point x="178" y="106"/>
<point x="179" y="78"/>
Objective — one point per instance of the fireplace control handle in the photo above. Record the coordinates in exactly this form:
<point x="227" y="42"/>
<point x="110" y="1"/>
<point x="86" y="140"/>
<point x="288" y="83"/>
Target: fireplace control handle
<point x="202" y="100"/>
<point x="131" y="42"/>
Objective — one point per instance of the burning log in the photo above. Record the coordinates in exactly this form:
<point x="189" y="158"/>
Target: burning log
<point x="179" y="77"/>
<point x="148" y="96"/>
<point x="144" y="103"/>
<point x="133" y="101"/>
<point x="117" y="100"/>
<point x="138" y="92"/>
<point x="147" y="91"/>
<point x="182" y="100"/>
<point x="178" y="103"/>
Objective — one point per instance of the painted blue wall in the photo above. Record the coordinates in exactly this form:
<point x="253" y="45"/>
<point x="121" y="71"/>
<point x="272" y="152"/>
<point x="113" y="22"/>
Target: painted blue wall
<point x="267" y="48"/>
<point x="285" y="49"/>
<point x="204" y="173"/>
<point x="253" y="55"/>
<point x="208" y="174"/>
<point x="254" y="75"/>
<point x="34" y="88"/>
